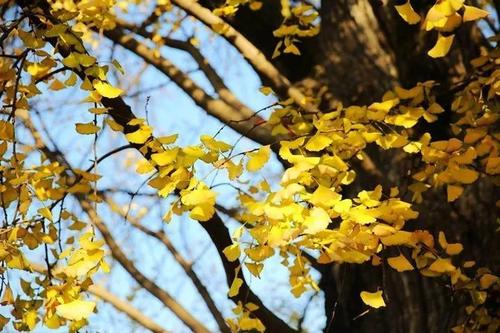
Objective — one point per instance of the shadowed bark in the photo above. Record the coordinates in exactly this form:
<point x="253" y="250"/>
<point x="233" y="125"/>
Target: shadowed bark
<point x="364" y="48"/>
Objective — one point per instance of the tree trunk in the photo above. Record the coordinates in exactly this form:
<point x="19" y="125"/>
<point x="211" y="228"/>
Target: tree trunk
<point x="364" y="48"/>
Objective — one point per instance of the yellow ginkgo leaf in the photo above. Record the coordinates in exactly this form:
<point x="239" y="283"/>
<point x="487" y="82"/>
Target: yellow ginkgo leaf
<point x="317" y="220"/>
<point x="442" y="46"/>
<point x="235" y="287"/>
<point x="398" y="238"/>
<point x="454" y="249"/>
<point x="408" y="14"/>
<point x="118" y="66"/>
<point x="442" y="240"/>
<point x="87" y="128"/>
<point x="375" y="300"/>
<point x="256" y="160"/>
<point x="318" y="142"/>
<point x="114" y="125"/>
<point x="57" y="85"/>
<point x="198" y="197"/>
<point x="106" y="90"/>
<point x="456" y="4"/>
<point x="143" y="166"/>
<point x="493" y="165"/>
<point x="45" y="212"/>
<point x="75" y="310"/>
<point x="140" y="136"/>
<point x="53" y="322"/>
<point x="292" y="49"/>
<point x="435" y="108"/>
<point x="201" y="202"/>
<point x="259" y="253"/>
<point x="234" y="170"/>
<point x="84" y="59"/>
<point x="464" y="175"/>
<point x="487" y="280"/>
<point x="98" y="110"/>
<point x="166" y="157"/>
<point x="400" y="263"/>
<point x="452" y="22"/>
<point x="442" y="265"/>
<point x="383" y="230"/>
<point x="71" y="61"/>
<point x="384" y="106"/>
<point x="407" y="119"/>
<point x="254" y="268"/>
<point x="472" y="13"/>
<point x="30" y="319"/>
<point x="232" y="252"/>
<point x="3" y="321"/>
<point x="202" y="213"/>
<point x="8" y="297"/>
<point x="453" y="192"/>
<point x="71" y="81"/>
<point x="37" y="70"/>
<point x="255" y="5"/>
<point x="213" y="144"/>
<point x="166" y="140"/>
<point x="6" y="130"/>
<point x="324" y="197"/>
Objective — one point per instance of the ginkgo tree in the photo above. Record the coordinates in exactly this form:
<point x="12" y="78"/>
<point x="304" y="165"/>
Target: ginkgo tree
<point x="383" y="126"/>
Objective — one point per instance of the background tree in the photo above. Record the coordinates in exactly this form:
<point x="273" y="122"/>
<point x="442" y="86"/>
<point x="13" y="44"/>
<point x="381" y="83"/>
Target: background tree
<point x="380" y="148"/>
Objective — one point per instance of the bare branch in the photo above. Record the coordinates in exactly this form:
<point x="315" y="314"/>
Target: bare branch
<point x="183" y="45"/>
<point x="215" y="80"/>
<point x="186" y="266"/>
<point x="154" y="16"/>
<point x="215" y="107"/>
<point x="125" y="307"/>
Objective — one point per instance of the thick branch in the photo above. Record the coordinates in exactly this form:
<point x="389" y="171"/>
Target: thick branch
<point x="211" y="74"/>
<point x="183" y="45"/>
<point x="125" y="307"/>
<point x="251" y="53"/>
<point x="215" y="107"/>
<point x="219" y="235"/>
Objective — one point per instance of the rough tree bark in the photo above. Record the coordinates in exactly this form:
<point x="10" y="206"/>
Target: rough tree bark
<point x="364" y="49"/>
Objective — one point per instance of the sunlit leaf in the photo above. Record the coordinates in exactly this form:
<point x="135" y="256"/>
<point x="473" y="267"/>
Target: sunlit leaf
<point x="407" y="12"/>
<point x="441" y="47"/>
<point x="375" y="300"/>
<point x="232" y="252"/>
<point x="235" y="287"/>
<point x="106" y="90"/>
<point x="472" y="13"/>
<point x="256" y="160"/>
<point x="87" y="128"/>
<point x="75" y="310"/>
<point x="400" y="263"/>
